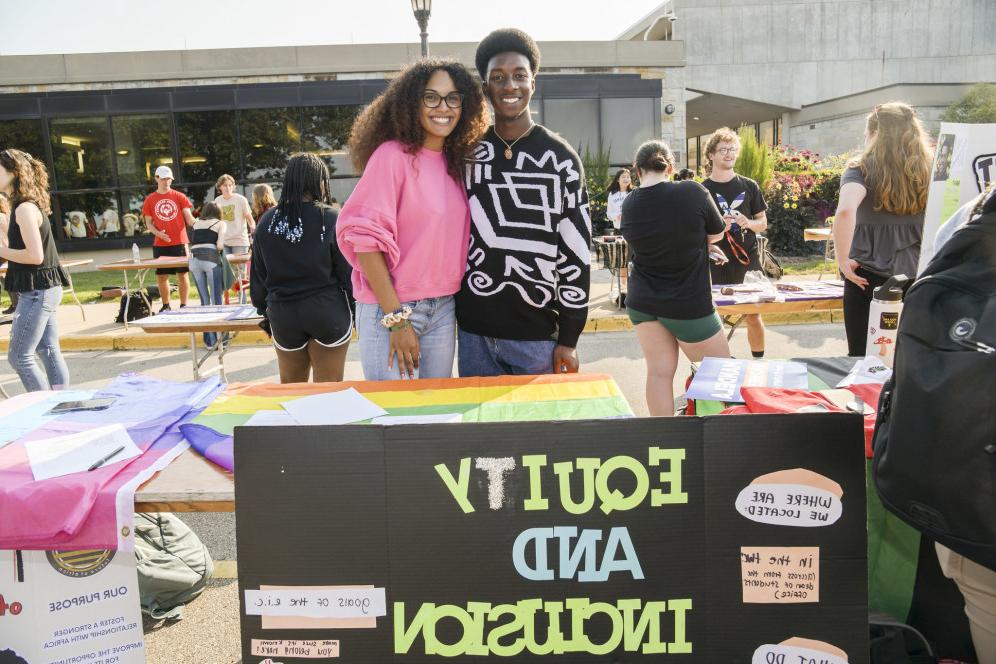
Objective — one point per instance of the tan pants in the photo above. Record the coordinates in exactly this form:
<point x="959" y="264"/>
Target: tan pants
<point x="978" y="586"/>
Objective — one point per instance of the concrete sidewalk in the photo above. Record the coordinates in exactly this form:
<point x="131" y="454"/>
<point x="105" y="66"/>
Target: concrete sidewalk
<point x="100" y="332"/>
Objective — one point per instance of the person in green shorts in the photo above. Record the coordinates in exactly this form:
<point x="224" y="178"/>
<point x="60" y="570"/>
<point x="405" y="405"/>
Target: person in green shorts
<point x="670" y="228"/>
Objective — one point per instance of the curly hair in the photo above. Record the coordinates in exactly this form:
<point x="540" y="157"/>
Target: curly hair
<point x="394" y="116"/>
<point x="506" y="40"/>
<point x="896" y="161"/>
<point x="30" y="179"/>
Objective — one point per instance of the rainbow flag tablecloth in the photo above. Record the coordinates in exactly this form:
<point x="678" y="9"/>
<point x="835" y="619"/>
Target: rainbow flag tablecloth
<point x="498" y="399"/>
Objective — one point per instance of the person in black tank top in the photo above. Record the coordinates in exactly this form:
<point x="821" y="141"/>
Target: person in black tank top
<point x="33" y="272"/>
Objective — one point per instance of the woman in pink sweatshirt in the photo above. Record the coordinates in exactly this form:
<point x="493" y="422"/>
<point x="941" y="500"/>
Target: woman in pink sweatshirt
<point x="406" y="226"/>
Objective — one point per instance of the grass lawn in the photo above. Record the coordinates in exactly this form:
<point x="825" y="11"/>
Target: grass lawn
<point x="804" y="265"/>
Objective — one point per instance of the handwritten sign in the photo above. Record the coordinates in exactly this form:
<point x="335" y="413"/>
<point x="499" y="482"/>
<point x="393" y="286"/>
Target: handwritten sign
<point x="796" y="497"/>
<point x="576" y="541"/>
<point x="309" y="603"/>
<point x="780" y="575"/>
<point x="296" y="648"/>
<point x="799" y="651"/>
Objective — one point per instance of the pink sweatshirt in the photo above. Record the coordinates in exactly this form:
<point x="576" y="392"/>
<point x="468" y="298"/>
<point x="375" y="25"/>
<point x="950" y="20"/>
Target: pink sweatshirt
<point x="412" y="210"/>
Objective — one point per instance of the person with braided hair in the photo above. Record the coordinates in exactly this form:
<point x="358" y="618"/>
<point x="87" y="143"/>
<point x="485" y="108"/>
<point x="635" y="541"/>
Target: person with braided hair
<point x="33" y="272"/>
<point x="405" y="227"/>
<point x="299" y="281"/>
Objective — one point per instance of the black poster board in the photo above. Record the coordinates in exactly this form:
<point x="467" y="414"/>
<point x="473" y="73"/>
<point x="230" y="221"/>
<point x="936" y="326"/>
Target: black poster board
<point x="366" y="506"/>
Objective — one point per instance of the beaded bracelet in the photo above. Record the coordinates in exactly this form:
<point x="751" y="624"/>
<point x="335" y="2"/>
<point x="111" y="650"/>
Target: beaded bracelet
<point x="400" y="326"/>
<point x="395" y="317"/>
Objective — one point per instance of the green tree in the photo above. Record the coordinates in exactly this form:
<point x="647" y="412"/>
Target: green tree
<point x="978" y="106"/>
<point x="755" y="161"/>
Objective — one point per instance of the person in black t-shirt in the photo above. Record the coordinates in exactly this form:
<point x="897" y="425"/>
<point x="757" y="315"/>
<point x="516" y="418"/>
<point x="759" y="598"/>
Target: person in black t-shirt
<point x="740" y="201"/>
<point x="669" y="227"/>
<point x="300" y="282"/>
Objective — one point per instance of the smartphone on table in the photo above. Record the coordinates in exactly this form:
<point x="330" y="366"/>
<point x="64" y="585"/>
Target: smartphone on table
<point x="83" y="404"/>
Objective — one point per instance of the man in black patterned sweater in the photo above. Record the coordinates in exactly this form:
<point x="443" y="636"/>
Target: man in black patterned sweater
<point x="524" y="298"/>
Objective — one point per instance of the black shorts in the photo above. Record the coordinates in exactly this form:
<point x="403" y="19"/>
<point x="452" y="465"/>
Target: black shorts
<point x="324" y="317"/>
<point x="170" y="250"/>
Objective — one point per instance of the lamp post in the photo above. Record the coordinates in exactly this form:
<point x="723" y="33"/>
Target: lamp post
<point x="422" y="9"/>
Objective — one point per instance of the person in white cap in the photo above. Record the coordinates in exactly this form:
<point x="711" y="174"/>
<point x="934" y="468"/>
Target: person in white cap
<point x="167" y="214"/>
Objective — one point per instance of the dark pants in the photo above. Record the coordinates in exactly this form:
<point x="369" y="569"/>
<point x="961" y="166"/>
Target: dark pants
<point x="857" y="302"/>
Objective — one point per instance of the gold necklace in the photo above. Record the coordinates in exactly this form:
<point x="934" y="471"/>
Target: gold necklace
<point x="508" y="146"/>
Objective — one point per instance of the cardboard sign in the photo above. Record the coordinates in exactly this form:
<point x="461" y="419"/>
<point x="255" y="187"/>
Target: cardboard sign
<point x="964" y="164"/>
<point x="583" y="541"/>
<point x="70" y="606"/>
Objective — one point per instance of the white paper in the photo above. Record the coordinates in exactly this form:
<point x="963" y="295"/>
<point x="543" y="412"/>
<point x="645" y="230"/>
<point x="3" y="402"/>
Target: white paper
<point x="442" y="418"/>
<point x="867" y="370"/>
<point x="313" y="603"/>
<point x="191" y="318"/>
<point x="340" y="407"/>
<point x="63" y="455"/>
<point x="270" y="418"/>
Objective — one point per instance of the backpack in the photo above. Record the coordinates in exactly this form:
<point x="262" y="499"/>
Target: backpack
<point x="892" y="642"/>
<point x="137" y="308"/>
<point x="935" y="436"/>
<point x="173" y="565"/>
<point x="769" y="264"/>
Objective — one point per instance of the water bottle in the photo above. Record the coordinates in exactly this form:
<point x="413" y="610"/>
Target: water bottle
<point x="883" y="319"/>
<point x="136" y="255"/>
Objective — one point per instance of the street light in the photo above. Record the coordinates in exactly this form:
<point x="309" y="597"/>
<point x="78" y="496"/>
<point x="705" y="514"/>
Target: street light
<point x="422" y="9"/>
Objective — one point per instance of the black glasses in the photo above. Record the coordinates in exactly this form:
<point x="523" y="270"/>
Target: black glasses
<point x="432" y="99"/>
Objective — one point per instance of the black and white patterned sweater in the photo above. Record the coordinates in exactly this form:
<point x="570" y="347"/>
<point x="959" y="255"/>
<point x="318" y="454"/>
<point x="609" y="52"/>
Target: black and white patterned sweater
<point x="528" y="268"/>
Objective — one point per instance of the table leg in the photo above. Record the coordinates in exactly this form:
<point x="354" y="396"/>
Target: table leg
<point x="734" y="324"/>
<point x="127" y="299"/>
<point x="193" y="356"/>
<point x="72" y="291"/>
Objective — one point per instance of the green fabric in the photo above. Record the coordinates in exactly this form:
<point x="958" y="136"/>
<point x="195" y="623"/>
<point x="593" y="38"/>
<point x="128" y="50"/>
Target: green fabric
<point x="228" y="277"/>
<point x="893" y="550"/>
<point x="689" y="331"/>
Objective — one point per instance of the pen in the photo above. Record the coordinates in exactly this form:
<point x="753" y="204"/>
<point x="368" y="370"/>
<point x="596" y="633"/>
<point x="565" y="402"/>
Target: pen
<point x="100" y="462"/>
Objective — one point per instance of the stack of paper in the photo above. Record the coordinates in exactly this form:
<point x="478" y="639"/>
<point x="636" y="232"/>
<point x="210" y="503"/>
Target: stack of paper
<point x="74" y="453"/>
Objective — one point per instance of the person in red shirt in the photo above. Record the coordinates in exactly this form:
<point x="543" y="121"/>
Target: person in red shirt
<point x="167" y="214"/>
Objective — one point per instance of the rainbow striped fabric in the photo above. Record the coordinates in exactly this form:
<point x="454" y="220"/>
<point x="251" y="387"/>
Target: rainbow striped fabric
<point x="498" y="399"/>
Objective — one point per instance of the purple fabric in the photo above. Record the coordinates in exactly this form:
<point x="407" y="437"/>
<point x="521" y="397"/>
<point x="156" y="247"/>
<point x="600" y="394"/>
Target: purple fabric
<point x="216" y="447"/>
<point x="79" y="510"/>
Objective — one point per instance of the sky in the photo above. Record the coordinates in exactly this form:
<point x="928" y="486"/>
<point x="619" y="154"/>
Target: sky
<point x="100" y="26"/>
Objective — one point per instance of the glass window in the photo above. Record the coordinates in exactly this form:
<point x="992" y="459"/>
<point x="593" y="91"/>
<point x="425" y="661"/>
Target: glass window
<point x="536" y="110"/>
<point x="132" y="222"/>
<point x="269" y="137"/>
<point x="778" y="131"/>
<point x="574" y="119"/>
<point x="342" y="188"/>
<point x="325" y="131"/>
<point x="199" y="194"/>
<point x="141" y="144"/>
<point x="81" y="148"/>
<point x="90" y="215"/>
<point x="626" y="123"/>
<point x="766" y="131"/>
<point x="24" y="135"/>
<point x="207" y="145"/>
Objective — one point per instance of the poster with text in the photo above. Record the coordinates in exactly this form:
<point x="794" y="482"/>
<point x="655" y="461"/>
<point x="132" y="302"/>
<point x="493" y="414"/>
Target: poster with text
<point x="709" y="539"/>
<point x="964" y="164"/>
<point x="64" y="607"/>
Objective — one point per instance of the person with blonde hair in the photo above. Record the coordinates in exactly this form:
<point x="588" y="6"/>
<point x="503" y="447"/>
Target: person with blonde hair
<point x="262" y="199"/>
<point x="879" y="220"/>
<point x="742" y="205"/>
<point x="237" y="215"/>
<point x="33" y="272"/>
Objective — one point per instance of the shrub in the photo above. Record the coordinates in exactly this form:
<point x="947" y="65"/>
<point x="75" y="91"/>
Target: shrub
<point x="978" y="106"/>
<point x="802" y="194"/>
<point x="755" y="160"/>
<point x="598" y="177"/>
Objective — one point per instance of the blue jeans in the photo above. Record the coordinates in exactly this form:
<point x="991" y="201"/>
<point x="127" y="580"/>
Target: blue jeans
<point x="487" y="356"/>
<point x="35" y="329"/>
<point x="434" y="320"/>
<point x="208" y="277"/>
